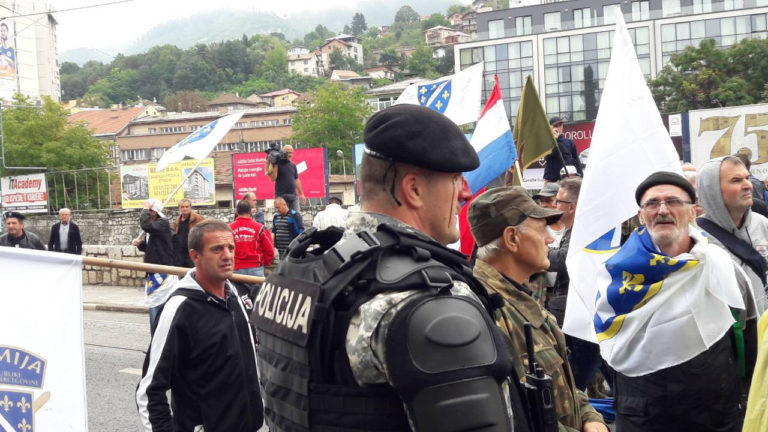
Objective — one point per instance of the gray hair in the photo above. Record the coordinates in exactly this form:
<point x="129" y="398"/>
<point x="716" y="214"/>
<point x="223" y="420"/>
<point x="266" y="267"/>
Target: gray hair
<point x="64" y="210"/>
<point x="489" y="250"/>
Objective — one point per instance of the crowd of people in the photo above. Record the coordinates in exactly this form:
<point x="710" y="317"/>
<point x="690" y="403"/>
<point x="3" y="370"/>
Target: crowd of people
<point x="380" y="326"/>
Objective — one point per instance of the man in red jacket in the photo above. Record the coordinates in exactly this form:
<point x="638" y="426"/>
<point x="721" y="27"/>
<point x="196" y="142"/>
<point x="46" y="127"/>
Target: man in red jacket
<point x="253" y="243"/>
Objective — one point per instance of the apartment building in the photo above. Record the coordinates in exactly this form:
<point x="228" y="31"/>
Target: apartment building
<point x="566" y="45"/>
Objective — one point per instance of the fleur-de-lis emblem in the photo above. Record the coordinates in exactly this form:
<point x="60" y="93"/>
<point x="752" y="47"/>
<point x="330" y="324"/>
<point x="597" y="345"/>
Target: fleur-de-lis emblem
<point x="6" y="403"/>
<point x="24" y="405"/>
<point x="439" y="105"/>
<point x="446" y="94"/>
<point x="24" y="426"/>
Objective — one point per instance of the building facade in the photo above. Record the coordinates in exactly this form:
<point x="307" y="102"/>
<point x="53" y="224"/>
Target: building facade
<point x="566" y="45"/>
<point x="29" y="63"/>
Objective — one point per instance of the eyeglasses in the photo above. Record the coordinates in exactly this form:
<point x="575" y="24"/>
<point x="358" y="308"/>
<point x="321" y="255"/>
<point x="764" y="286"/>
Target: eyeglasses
<point x="672" y="204"/>
<point x="558" y="202"/>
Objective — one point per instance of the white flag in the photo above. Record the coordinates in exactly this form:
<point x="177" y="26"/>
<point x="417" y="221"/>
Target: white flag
<point x="456" y="96"/>
<point x="42" y="371"/>
<point x="199" y="143"/>
<point x="629" y="143"/>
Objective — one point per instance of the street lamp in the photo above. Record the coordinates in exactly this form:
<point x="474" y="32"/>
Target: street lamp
<point x="340" y="154"/>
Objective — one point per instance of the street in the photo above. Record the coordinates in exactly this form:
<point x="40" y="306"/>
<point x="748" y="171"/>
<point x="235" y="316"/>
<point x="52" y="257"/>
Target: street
<point x="114" y="352"/>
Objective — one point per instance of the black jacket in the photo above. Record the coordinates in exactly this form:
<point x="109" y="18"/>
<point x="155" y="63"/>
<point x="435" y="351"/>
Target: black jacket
<point x="74" y="242"/>
<point x="553" y="163"/>
<point x="203" y="352"/>
<point x="158" y="248"/>
<point x="562" y="280"/>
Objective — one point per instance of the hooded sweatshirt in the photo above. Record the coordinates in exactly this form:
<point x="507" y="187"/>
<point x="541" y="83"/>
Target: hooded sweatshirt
<point x="754" y="229"/>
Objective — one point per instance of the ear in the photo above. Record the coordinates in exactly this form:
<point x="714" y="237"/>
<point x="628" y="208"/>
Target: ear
<point x="511" y="238"/>
<point x="195" y="255"/>
<point x="412" y="190"/>
<point x="640" y="217"/>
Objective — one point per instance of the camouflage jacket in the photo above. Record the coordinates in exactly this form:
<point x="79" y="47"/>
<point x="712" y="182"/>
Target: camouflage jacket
<point x="368" y="326"/>
<point x="572" y="405"/>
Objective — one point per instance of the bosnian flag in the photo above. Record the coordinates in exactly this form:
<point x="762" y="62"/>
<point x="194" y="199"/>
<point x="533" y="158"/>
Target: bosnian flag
<point x="493" y="142"/>
<point x="199" y="143"/>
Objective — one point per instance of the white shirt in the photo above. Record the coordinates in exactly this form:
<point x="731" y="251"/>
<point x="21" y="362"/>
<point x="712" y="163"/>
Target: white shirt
<point x="333" y="215"/>
<point x="63" y="235"/>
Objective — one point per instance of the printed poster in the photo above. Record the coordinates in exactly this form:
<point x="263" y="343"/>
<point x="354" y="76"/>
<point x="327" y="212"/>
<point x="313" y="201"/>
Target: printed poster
<point x="24" y="193"/>
<point x="141" y="182"/>
<point x="248" y="171"/>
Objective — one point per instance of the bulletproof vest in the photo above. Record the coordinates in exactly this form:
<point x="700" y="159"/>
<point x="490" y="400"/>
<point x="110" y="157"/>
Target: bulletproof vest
<point x="302" y="314"/>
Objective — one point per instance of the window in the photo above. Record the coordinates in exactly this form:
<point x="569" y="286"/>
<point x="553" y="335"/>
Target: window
<point x="496" y="29"/>
<point x="523" y="25"/>
<point x="641" y="10"/>
<point x="610" y="12"/>
<point x="582" y="18"/>
<point x="157" y="153"/>
<point x="152" y="131"/>
<point x="670" y="8"/>
<point x="172" y="129"/>
<point x="287" y="121"/>
<point x="134" y="154"/>
<point x="552" y="21"/>
<point x="733" y="4"/>
<point x="702" y="6"/>
<point x="194" y="128"/>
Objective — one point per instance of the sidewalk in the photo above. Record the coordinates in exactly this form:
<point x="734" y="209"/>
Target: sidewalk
<point x="113" y="298"/>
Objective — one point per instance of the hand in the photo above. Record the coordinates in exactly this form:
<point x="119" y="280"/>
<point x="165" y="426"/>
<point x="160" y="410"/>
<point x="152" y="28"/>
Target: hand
<point x="147" y="204"/>
<point x="135" y="243"/>
<point x="594" y="427"/>
<point x="303" y="199"/>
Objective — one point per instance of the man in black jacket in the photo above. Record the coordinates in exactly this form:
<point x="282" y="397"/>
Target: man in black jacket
<point x="203" y="348"/>
<point x="158" y="249"/>
<point x="65" y="235"/>
<point x="553" y="162"/>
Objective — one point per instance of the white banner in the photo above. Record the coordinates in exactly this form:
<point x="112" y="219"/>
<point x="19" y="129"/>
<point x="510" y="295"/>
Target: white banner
<point x="42" y="370"/>
<point x="724" y="131"/>
<point x="24" y="193"/>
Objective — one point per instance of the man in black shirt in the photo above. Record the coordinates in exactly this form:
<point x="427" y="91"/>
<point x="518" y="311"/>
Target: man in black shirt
<point x="286" y="178"/>
<point x="16" y="236"/>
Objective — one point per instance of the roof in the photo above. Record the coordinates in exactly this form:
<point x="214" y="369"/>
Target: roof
<point x="395" y="88"/>
<point x="279" y="93"/>
<point x="107" y="121"/>
<point x="346" y="74"/>
<point x="378" y="68"/>
<point x="228" y="99"/>
<point x="439" y="28"/>
<point x="175" y="117"/>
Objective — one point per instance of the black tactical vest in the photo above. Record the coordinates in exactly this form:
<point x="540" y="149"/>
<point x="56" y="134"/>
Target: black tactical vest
<point x="302" y="314"/>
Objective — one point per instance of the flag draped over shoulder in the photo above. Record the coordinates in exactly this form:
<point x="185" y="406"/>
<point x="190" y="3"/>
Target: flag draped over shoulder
<point x="42" y="369"/>
<point x="199" y="143"/>
<point x="493" y="142"/>
<point x="456" y="96"/>
<point x="533" y="136"/>
<point x="629" y="143"/>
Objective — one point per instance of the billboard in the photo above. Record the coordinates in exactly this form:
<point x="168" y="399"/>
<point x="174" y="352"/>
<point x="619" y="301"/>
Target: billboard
<point x="248" y="172"/>
<point x="8" y="63"/>
<point x="141" y="182"/>
<point x="24" y="193"/>
<point x="724" y="131"/>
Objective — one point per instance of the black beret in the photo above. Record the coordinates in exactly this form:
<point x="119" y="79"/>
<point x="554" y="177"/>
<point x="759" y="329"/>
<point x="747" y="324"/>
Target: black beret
<point x="665" y="178"/>
<point x="15" y="215"/>
<point x="555" y="120"/>
<point x="419" y="136"/>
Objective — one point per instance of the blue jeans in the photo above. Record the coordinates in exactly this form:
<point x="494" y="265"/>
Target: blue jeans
<point x="251" y="271"/>
<point x="154" y="315"/>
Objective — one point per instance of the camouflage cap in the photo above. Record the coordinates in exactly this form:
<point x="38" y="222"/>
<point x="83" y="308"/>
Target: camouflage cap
<point x="496" y="209"/>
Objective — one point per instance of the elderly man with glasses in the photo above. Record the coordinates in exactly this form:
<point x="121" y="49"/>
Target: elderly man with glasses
<point x="665" y="312"/>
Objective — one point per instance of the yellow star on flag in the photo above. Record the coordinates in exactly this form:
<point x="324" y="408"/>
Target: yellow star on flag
<point x="446" y="94"/>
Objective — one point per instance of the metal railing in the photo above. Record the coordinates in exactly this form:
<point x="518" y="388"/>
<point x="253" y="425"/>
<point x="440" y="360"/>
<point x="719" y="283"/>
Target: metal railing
<point x="83" y="189"/>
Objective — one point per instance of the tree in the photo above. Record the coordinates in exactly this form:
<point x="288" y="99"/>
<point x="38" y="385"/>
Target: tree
<point x="358" y="24"/>
<point x="457" y="8"/>
<point x="435" y="20"/>
<point x="422" y="63"/>
<point x="334" y="117"/>
<point x="186" y="100"/>
<point x="390" y="57"/>
<point x="120" y="86"/>
<point x="192" y="72"/>
<point x="407" y="15"/>
<point x="42" y="137"/>
<point x="709" y="77"/>
<point x="446" y="62"/>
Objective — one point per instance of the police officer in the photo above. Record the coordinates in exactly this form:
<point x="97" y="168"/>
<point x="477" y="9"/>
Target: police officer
<point x="399" y="339"/>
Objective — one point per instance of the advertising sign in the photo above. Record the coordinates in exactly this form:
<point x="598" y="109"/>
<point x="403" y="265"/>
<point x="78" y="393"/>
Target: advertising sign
<point x="141" y="182"/>
<point x="725" y="131"/>
<point x="25" y="193"/>
<point x="248" y="172"/>
<point x="8" y="71"/>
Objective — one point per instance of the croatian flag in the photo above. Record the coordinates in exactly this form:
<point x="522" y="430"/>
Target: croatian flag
<point x="199" y="143"/>
<point x="493" y="143"/>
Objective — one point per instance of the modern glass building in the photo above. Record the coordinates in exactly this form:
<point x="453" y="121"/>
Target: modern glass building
<point x="566" y="45"/>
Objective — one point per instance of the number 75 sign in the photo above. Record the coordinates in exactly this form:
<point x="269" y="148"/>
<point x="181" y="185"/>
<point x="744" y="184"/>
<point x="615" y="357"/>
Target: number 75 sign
<point x="724" y="131"/>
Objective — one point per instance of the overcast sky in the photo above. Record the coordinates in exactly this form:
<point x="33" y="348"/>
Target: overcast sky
<point x="102" y="26"/>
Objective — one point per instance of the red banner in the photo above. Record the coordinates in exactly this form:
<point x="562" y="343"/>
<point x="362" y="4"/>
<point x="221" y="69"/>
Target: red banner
<point x="248" y="172"/>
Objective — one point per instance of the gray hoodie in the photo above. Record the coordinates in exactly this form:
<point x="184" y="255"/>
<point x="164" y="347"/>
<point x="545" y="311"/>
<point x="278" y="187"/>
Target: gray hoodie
<point x="754" y="230"/>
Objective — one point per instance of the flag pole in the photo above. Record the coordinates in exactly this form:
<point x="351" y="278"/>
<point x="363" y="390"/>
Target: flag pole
<point x="519" y="172"/>
<point x="197" y="165"/>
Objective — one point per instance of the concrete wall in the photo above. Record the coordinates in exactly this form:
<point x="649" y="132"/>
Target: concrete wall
<point x="108" y="234"/>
